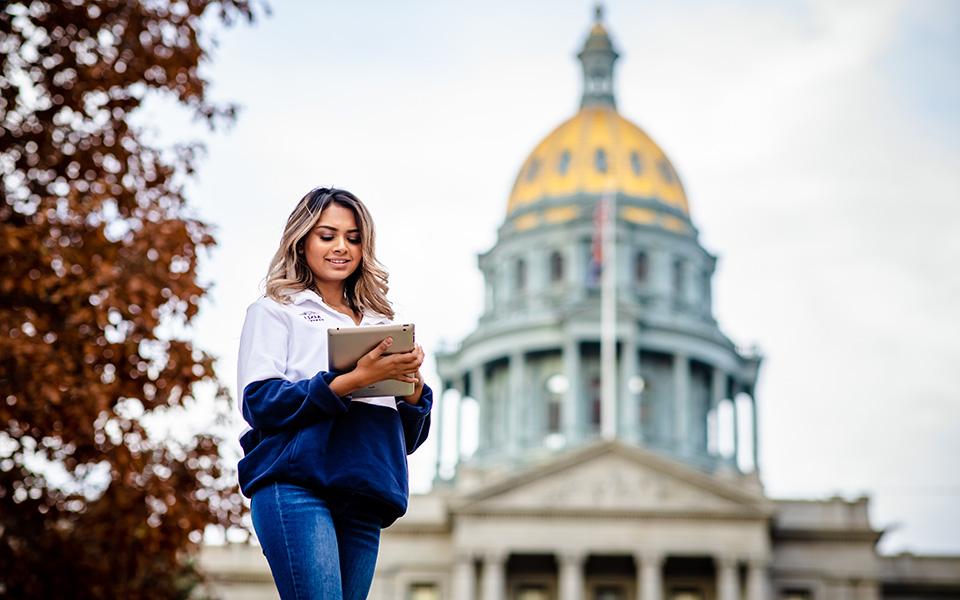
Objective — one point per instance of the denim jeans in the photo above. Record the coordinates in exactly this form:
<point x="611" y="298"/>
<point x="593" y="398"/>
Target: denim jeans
<point x="318" y="548"/>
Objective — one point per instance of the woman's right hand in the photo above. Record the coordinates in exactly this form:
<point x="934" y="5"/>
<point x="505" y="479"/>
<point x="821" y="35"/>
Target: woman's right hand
<point x="376" y="366"/>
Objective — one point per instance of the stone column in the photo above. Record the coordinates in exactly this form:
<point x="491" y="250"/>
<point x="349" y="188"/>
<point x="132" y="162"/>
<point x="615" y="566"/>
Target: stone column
<point x="625" y="267"/>
<point x="577" y="279"/>
<point x="538" y="276"/>
<point x="515" y="401"/>
<point x="868" y="590"/>
<point x="437" y="419"/>
<point x="756" y="442"/>
<point x="461" y="387"/>
<point x="758" y="582"/>
<point x="718" y="391"/>
<point x="571" y="575"/>
<point x="736" y="426"/>
<point x="681" y="402"/>
<point x="660" y="279"/>
<point x="494" y="585"/>
<point x="488" y="287"/>
<point x="628" y="422"/>
<point x="571" y="409"/>
<point x="649" y="575"/>
<point x="691" y="286"/>
<point x="501" y="291"/>
<point x="464" y="578"/>
<point x="478" y="381"/>
<point x="728" y="578"/>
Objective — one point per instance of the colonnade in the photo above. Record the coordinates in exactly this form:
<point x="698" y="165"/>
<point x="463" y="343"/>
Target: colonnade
<point x="571" y="576"/>
<point x="724" y="387"/>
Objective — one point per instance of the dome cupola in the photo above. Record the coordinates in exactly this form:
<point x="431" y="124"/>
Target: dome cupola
<point x="594" y="152"/>
<point x="597" y="58"/>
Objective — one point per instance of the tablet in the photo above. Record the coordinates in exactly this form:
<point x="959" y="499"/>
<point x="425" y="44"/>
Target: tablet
<point x="347" y="345"/>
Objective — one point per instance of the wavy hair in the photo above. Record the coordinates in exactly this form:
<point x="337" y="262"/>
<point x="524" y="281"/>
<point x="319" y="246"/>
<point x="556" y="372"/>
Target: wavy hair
<point x="365" y="288"/>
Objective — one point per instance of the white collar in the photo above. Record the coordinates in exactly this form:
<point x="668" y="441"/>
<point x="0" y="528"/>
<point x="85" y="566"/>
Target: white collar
<point x="308" y="295"/>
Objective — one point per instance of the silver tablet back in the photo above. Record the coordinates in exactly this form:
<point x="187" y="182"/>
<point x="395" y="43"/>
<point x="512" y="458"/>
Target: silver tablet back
<point x="347" y="345"/>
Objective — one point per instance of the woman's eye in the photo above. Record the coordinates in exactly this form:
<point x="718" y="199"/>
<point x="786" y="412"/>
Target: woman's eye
<point x="354" y="240"/>
<point x="326" y="238"/>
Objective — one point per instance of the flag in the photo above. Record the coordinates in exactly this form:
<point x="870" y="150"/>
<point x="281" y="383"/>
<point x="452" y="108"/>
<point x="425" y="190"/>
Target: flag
<point x="596" y="262"/>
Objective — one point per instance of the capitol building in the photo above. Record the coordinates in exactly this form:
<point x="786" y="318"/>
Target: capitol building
<point x="617" y="436"/>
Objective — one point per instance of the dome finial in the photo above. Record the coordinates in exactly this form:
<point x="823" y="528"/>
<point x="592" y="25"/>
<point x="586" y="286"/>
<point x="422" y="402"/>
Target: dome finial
<point x="597" y="58"/>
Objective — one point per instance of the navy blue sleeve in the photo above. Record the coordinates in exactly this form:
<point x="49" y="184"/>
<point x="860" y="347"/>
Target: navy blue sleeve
<point x="416" y="419"/>
<point x="274" y="404"/>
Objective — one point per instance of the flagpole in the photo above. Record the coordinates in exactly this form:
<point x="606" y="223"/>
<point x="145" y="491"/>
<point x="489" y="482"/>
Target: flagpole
<point x="608" y="321"/>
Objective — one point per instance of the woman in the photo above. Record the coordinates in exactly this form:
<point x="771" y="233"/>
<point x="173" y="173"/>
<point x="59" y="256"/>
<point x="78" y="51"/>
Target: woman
<point x="325" y="471"/>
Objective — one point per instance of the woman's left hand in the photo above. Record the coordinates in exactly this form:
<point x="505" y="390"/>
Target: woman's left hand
<point x="414" y="398"/>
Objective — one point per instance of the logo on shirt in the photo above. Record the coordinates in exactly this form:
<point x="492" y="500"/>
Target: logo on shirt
<point x="311" y="316"/>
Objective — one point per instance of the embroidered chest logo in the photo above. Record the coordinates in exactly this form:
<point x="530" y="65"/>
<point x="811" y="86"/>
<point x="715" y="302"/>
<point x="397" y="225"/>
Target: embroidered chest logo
<point x="312" y="317"/>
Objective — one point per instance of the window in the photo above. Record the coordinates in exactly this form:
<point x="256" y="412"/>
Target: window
<point x="423" y="591"/>
<point x="600" y="160"/>
<point x="635" y="165"/>
<point x="521" y="275"/>
<point x="666" y="171"/>
<point x="556" y="386"/>
<point x="556" y="267"/>
<point x="564" y="163"/>
<point x="678" y="278"/>
<point x="532" y="169"/>
<point x="641" y="267"/>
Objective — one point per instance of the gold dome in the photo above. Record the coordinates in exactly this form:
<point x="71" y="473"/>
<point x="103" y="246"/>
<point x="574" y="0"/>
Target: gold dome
<point x="594" y="152"/>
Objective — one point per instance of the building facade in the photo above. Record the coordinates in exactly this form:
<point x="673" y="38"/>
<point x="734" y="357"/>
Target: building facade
<point x="667" y="502"/>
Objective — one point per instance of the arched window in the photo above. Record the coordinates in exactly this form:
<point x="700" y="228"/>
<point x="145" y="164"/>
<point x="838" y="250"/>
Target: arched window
<point x="641" y="267"/>
<point x="564" y="163"/>
<point x="556" y="267"/>
<point x="600" y="160"/>
<point x="635" y="165"/>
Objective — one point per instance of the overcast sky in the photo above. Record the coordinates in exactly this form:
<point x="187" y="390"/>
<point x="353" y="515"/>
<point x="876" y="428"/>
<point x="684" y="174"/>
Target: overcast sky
<point x="818" y="141"/>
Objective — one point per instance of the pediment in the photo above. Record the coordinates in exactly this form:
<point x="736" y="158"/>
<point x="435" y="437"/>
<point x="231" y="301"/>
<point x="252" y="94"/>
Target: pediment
<point x="616" y="479"/>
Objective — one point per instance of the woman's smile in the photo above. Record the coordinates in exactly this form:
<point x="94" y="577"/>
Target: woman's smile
<point x="333" y="249"/>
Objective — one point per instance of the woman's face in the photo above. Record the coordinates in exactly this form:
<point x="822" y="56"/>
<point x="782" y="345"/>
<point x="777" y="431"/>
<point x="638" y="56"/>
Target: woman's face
<point x="333" y="249"/>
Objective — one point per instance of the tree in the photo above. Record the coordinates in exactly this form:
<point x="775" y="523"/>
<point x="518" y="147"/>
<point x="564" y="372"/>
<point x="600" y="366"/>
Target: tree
<point x="98" y="257"/>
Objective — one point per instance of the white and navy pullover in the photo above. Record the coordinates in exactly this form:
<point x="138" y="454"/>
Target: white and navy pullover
<point x="301" y="432"/>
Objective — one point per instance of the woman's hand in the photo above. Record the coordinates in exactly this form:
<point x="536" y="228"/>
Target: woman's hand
<point x="414" y="398"/>
<point x="376" y="366"/>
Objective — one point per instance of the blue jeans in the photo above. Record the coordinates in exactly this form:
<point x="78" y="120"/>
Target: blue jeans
<point x="318" y="548"/>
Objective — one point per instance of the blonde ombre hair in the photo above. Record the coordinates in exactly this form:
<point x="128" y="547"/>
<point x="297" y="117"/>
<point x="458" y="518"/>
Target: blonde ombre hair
<point x="365" y="288"/>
